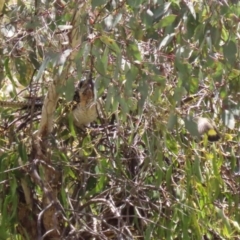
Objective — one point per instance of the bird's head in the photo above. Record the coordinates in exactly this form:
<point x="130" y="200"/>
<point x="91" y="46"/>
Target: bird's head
<point x="85" y="92"/>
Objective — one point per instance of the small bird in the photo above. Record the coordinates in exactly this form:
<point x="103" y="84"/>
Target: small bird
<point x="85" y="108"/>
<point x="208" y="127"/>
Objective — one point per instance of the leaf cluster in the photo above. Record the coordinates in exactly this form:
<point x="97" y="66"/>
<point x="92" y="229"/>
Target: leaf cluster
<point x="136" y="173"/>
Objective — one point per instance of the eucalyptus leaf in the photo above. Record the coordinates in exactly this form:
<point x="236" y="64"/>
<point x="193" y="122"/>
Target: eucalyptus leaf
<point x="96" y="3"/>
<point x="167" y="39"/>
<point x="230" y="51"/>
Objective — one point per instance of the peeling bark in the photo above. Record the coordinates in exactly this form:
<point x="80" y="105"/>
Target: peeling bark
<point x="52" y="214"/>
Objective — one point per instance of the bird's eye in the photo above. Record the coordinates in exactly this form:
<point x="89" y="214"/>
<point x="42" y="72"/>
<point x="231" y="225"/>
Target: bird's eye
<point x="81" y="83"/>
<point x="76" y="96"/>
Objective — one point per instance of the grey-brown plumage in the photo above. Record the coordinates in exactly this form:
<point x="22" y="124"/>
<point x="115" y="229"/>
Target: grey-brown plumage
<point x="85" y="111"/>
<point x="207" y="126"/>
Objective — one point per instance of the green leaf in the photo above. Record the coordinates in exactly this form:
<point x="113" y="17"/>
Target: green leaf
<point x="166" y="40"/>
<point x="96" y="3"/>
<point x="143" y="88"/>
<point x="42" y="68"/>
<point x="68" y="89"/>
<point x="172" y="121"/>
<point x="34" y="60"/>
<point x="178" y="93"/>
<point x="133" y="52"/>
<point x="3" y="233"/>
<point x="161" y="10"/>
<point x="110" y="43"/>
<point x="81" y="57"/>
<point x="191" y="26"/>
<point x="124" y="107"/>
<point x="23" y="70"/>
<point x="117" y="20"/>
<point x="197" y="169"/>
<point x="8" y="71"/>
<point x="131" y="76"/>
<point x="134" y="3"/>
<point x="191" y="126"/>
<point x="71" y="125"/>
<point x="191" y="8"/>
<point x="22" y="152"/>
<point x="230" y="51"/>
<point x="105" y="58"/>
<point x="168" y="176"/>
<point x="225" y="221"/>
<point x="118" y="66"/>
<point x="100" y="66"/>
<point x="110" y="97"/>
<point x="168" y="20"/>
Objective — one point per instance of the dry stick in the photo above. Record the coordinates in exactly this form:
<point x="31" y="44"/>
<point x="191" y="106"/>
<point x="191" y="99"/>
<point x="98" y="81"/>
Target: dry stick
<point x="41" y="148"/>
<point x="39" y="223"/>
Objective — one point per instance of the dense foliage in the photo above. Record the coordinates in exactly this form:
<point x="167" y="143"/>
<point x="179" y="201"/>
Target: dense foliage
<point x="138" y="172"/>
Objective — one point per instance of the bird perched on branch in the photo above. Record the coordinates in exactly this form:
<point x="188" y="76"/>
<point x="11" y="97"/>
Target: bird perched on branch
<point x="208" y="127"/>
<point x="85" y="109"/>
